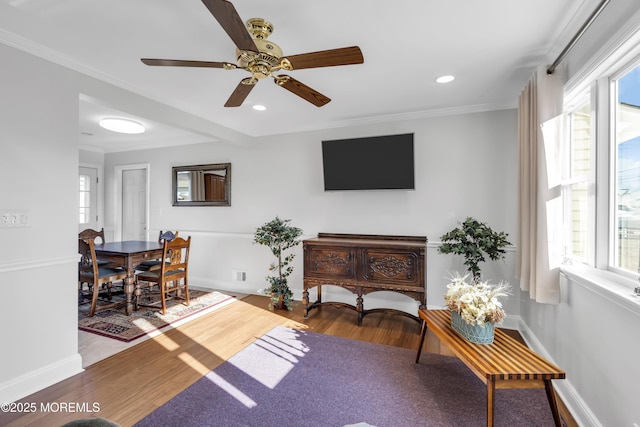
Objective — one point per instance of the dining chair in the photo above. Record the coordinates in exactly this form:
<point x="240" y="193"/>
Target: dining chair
<point x="91" y="234"/>
<point x="95" y="277"/>
<point x="172" y="277"/>
<point x="154" y="264"/>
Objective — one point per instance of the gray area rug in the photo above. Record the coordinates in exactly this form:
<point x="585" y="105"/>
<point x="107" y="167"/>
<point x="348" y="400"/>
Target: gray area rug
<point x="293" y="378"/>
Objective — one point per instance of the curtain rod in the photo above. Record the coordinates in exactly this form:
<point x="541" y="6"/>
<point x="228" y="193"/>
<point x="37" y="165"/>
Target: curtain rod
<point x="579" y="34"/>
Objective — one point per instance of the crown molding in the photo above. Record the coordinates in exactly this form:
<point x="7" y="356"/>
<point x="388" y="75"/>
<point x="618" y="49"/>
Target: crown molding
<point x="412" y="115"/>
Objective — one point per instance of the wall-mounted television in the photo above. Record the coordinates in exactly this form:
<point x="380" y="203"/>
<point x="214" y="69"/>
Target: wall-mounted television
<point x="371" y="163"/>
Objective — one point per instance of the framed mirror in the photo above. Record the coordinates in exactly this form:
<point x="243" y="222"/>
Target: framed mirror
<point x="202" y="185"/>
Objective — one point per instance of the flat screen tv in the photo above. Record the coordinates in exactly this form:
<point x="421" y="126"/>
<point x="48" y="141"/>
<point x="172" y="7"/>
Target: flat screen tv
<point x="372" y="163"/>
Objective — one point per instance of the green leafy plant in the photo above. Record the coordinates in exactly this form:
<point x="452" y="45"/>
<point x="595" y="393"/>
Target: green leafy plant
<point x="279" y="236"/>
<point x="473" y="240"/>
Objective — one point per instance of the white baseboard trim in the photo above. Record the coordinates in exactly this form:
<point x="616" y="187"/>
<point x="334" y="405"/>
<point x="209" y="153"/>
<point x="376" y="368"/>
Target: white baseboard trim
<point x="231" y="287"/>
<point x="36" y="380"/>
<point x="567" y="392"/>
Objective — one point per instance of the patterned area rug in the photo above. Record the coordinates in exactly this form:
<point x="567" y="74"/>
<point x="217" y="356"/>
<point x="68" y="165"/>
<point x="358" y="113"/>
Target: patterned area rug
<point x="114" y="323"/>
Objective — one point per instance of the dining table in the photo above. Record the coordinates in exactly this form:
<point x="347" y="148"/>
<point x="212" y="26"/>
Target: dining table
<point x="129" y="254"/>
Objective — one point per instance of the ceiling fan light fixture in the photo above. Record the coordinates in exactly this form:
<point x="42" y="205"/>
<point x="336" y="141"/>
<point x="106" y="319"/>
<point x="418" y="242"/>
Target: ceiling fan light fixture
<point x="445" y="79"/>
<point x="122" y="125"/>
<point x="262" y="57"/>
<point x="259" y="107"/>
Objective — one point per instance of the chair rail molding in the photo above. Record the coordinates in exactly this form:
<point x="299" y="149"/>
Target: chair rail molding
<point x="36" y="263"/>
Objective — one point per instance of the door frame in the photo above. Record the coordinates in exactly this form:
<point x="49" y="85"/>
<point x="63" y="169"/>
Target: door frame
<point x="99" y="191"/>
<point x="117" y="214"/>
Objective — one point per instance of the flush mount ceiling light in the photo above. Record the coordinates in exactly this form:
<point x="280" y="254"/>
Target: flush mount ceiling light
<point x="259" y="107"/>
<point x="445" y="79"/>
<point x="122" y="125"/>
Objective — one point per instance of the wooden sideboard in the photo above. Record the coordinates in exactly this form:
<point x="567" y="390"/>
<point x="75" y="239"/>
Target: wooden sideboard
<point x="362" y="264"/>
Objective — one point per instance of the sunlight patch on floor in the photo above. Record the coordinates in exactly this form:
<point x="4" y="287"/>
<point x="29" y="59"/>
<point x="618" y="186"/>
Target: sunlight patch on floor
<point x="270" y="360"/>
<point x="193" y="363"/>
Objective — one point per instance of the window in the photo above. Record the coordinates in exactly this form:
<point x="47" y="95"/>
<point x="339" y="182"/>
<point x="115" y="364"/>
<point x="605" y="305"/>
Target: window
<point x="601" y="166"/>
<point x="579" y="211"/>
<point x="85" y="199"/>
<point x="626" y="176"/>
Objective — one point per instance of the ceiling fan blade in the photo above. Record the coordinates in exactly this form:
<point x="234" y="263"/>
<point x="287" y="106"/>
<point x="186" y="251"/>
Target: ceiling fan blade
<point x="182" y="63"/>
<point x="228" y="18"/>
<point x="302" y="90"/>
<point x="241" y="92"/>
<point x="326" y="58"/>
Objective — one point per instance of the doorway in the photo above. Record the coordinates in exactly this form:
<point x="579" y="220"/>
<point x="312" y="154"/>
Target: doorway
<point x="90" y="193"/>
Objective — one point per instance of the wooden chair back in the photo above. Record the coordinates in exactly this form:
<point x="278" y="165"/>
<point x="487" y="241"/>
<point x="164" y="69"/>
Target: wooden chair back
<point x="176" y="252"/>
<point x="167" y="235"/>
<point x="173" y="275"/>
<point x="154" y="264"/>
<point x="91" y="234"/>
<point x="88" y="265"/>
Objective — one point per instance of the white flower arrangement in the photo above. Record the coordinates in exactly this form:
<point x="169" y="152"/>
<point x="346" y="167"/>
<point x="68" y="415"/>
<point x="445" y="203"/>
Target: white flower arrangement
<point x="476" y="302"/>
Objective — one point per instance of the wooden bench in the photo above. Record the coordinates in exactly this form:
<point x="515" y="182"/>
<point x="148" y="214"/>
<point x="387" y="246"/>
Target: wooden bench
<point x="506" y="363"/>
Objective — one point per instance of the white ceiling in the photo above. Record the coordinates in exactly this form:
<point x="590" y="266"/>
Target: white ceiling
<point x="491" y="47"/>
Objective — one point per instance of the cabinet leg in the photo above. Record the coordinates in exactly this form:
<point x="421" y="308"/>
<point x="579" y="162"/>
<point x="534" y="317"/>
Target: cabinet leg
<point x="305" y="301"/>
<point x="360" y="309"/>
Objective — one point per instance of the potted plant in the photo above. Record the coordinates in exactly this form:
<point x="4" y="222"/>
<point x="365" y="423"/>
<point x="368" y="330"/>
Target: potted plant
<point x="473" y="239"/>
<point x="475" y="308"/>
<point x="279" y="236"/>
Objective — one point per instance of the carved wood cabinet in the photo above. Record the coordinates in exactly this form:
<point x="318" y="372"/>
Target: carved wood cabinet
<point x="363" y="264"/>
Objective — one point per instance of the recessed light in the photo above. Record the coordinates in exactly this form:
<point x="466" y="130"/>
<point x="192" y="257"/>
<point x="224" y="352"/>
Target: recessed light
<point x="445" y="79"/>
<point x="122" y="125"/>
<point x="259" y="107"/>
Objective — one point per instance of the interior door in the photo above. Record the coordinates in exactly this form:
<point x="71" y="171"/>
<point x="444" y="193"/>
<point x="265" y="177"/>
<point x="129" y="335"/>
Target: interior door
<point x="88" y="195"/>
<point x="134" y="206"/>
<point x="132" y="202"/>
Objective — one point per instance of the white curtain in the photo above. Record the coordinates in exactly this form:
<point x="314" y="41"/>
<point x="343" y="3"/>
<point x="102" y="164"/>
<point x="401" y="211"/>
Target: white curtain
<point x="540" y="205"/>
<point x="197" y="186"/>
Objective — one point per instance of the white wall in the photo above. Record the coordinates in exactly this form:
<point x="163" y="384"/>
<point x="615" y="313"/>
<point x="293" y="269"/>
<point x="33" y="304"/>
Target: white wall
<point x="592" y="333"/>
<point x="465" y="166"/>
<point x="38" y="269"/>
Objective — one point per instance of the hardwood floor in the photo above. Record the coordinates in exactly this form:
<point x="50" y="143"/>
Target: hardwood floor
<point x="131" y="384"/>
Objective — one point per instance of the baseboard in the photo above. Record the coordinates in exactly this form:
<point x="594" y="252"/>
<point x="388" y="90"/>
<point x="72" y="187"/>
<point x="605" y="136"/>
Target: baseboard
<point x="567" y="392"/>
<point x="231" y="287"/>
<point x="31" y="382"/>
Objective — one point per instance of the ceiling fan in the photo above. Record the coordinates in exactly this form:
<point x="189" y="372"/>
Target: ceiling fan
<point x="263" y="58"/>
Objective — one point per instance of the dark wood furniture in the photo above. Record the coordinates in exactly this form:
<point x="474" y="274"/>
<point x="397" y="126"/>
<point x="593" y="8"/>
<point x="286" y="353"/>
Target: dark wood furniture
<point x="91" y="234"/>
<point x="214" y="186"/>
<point x="506" y="363"/>
<point x="172" y="275"/>
<point x="129" y="254"/>
<point x="95" y="276"/>
<point x="363" y="264"/>
<point x="97" y="237"/>
<point x="154" y="264"/>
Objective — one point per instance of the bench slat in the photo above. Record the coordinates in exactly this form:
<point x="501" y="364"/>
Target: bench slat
<point x="504" y="359"/>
